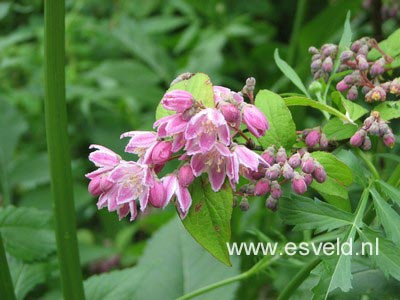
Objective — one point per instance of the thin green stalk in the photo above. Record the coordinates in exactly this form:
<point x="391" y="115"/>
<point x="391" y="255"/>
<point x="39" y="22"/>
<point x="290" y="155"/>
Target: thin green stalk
<point x="368" y="163"/>
<point x="58" y="149"/>
<point x="298" y="279"/>
<point x="298" y="20"/>
<point x="6" y="286"/>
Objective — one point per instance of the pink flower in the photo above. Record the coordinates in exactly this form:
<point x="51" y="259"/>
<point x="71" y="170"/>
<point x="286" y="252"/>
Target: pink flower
<point x="255" y="120"/>
<point x="177" y="100"/>
<point x="312" y="138"/>
<point x="170" y="125"/>
<point x="203" y="130"/>
<point x="185" y="175"/>
<point x="217" y="163"/>
<point x="231" y="113"/>
<point x="140" y="141"/>
<point x="162" y="191"/>
<point x="130" y="181"/>
<point x="223" y="93"/>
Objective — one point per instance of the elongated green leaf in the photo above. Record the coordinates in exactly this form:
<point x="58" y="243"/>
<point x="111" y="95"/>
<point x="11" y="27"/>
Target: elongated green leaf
<point x="199" y="86"/>
<point x="360" y="173"/>
<point x="388" y="259"/>
<point x="339" y="176"/>
<point x="27" y="232"/>
<point x="389" y="110"/>
<point x="389" y="218"/>
<point x="392" y="192"/>
<point x="353" y="110"/>
<point x="282" y="130"/>
<point x="345" y="41"/>
<point x="172" y="265"/>
<point x="302" y="101"/>
<point x="26" y="276"/>
<point x="209" y="218"/>
<point x="306" y="213"/>
<point x="391" y="46"/>
<point x="290" y="73"/>
<point x="335" y="130"/>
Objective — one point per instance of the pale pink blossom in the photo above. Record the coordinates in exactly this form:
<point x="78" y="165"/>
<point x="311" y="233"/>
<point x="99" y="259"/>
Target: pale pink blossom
<point x="177" y="100"/>
<point x="140" y="141"/>
<point x="223" y="93"/>
<point x="170" y="125"/>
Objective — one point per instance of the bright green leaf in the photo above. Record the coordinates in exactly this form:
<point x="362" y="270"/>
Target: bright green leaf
<point x="391" y="46"/>
<point x="392" y="192"/>
<point x="209" y="218"/>
<point x="335" y="130"/>
<point x="389" y="110"/>
<point x="334" y="167"/>
<point x="353" y="110"/>
<point x="282" y="130"/>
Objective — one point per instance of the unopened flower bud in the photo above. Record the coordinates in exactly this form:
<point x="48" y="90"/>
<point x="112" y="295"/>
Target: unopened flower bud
<point x="374" y="128"/>
<point x="329" y="49"/>
<point x="389" y="139"/>
<point x="394" y="86"/>
<point x="356" y="46"/>
<point x="269" y="155"/>
<point x="315" y="87"/>
<point x="362" y="62"/>
<point x="313" y="50"/>
<point x="244" y="204"/>
<point x="319" y="173"/>
<point x="307" y="164"/>
<point x="352" y="94"/>
<point x="363" y="51"/>
<point x="276" y="190"/>
<point x="298" y="184"/>
<point x="376" y="94"/>
<point x="383" y="128"/>
<point x="295" y="160"/>
<point x="287" y="171"/>
<point x="273" y="172"/>
<point x="312" y="139"/>
<point x="161" y="152"/>
<point x="177" y="100"/>
<point x="255" y="120"/>
<point x="358" y="138"/>
<point x="342" y="86"/>
<point x="247" y="189"/>
<point x="230" y="112"/>
<point x="262" y="187"/>
<point x="377" y="68"/>
<point x="185" y="175"/>
<point x="157" y="196"/>
<point x="327" y="65"/>
<point x="386" y="86"/>
<point x="271" y="203"/>
<point x="346" y="55"/>
<point x="281" y="156"/>
<point x="323" y="141"/>
<point x="316" y="64"/>
<point x="349" y="79"/>
<point x="368" y="121"/>
<point x="250" y="83"/>
<point x="308" y="179"/>
<point x="366" y="145"/>
<point x="365" y="89"/>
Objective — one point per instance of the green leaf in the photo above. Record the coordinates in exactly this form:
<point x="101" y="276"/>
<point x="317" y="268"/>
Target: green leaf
<point x="27" y="232"/>
<point x="199" y="86"/>
<point x="209" y="218"/>
<point x="389" y="110"/>
<point x="26" y="276"/>
<point x="306" y="213"/>
<point x="282" y="130"/>
<point x="360" y="173"/>
<point x="290" y="73"/>
<point x="389" y="218"/>
<point x="172" y="265"/>
<point x="4" y="9"/>
<point x="302" y="101"/>
<point x="335" y="130"/>
<point x="392" y="192"/>
<point x="353" y="110"/>
<point x="388" y="259"/>
<point x="339" y="176"/>
<point x="391" y="46"/>
<point x="345" y="41"/>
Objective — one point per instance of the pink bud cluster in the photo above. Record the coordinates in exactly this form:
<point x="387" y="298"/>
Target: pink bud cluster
<point x="300" y="169"/>
<point x="373" y="125"/>
<point x="322" y="60"/>
<point x="365" y="76"/>
<point x="314" y="138"/>
<point x="201" y="138"/>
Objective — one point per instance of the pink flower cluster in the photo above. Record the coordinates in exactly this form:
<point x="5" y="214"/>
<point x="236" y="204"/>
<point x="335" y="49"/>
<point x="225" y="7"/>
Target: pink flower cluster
<point x="198" y="136"/>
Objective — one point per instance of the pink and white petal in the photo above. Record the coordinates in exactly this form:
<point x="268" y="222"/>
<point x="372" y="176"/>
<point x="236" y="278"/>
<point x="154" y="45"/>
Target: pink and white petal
<point x="176" y="125"/>
<point x="198" y="165"/>
<point x="184" y="198"/>
<point x="98" y="172"/>
<point x="170" y="183"/>
<point x="178" y="142"/>
<point x="103" y="157"/>
<point x="125" y="194"/>
<point x="247" y="157"/>
<point x="144" y="199"/>
<point x="216" y="176"/>
<point x="224" y="134"/>
<point x="119" y="173"/>
<point x="206" y="141"/>
<point x="215" y="116"/>
<point x="223" y="150"/>
<point x="102" y="202"/>
<point x="133" y="210"/>
<point x="123" y="211"/>
<point x="194" y="126"/>
<point x="232" y="169"/>
<point x="112" y="199"/>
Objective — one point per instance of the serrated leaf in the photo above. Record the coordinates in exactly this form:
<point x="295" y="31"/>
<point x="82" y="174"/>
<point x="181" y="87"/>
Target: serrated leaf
<point x="387" y="259"/>
<point x="27" y="232"/>
<point x="389" y="218"/>
<point x="199" y="86"/>
<point x="306" y="213"/>
<point x="282" y="130"/>
<point x="26" y="276"/>
<point x="302" y="101"/>
<point x="391" y="46"/>
<point x="172" y="265"/>
<point x="392" y="192"/>
<point x="290" y="73"/>
<point x="389" y="110"/>
<point x="339" y="176"/>
<point x="335" y="130"/>
<point x="209" y="218"/>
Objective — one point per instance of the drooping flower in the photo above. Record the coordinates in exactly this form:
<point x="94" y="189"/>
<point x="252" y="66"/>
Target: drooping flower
<point x="204" y="129"/>
<point x="140" y="141"/>
<point x="255" y="120"/>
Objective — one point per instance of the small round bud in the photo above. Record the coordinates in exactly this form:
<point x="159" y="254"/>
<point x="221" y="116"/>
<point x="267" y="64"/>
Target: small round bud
<point x="323" y="141"/>
<point x="383" y="128"/>
<point x="389" y="139"/>
<point x="342" y="86"/>
<point x="313" y="50"/>
<point x="295" y="160"/>
<point x="358" y="138"/>
<point x="244" y="204"/>
<point x="247" y="189"/>
<point x="315" y="87"/>
<point x="366" y="145"/>
<point x="262" y="187"/>
<point x="273" y="172"/>
<point x="287" y="171"/>
<point x="362" y="62"/>
<point x="281" y="156"/>
<point x="316" y="65"/>
<point x="269" y="155"/>
<point x="363" y="51"/>
<point x="356" y="46"/>
<point x="276" y="190"/>
<point x="308" y="179"/>
<point x="394" y="86"/>
<point x="377" y="68"/>
<point x="307" y="165"/>
<point x="250" y="83"/>
<point x="298" y="184"/>
<point x="230" y="112"/>
<point x="327" y="64"/>
<point x="352" y="94"/>
<point x="368" y="122"/>
<point x="312" y="138"/>
<point x="271" y="203"/>
<point x="374" y="128"/>
<point x="185" y="175"/>
<point x="319" y="173"/>
<point x="346" y="56"/>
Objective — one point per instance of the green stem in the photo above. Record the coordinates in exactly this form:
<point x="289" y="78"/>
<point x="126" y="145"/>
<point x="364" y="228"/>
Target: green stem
<point x="58" y="149"/>
<point x="6" y="286"/>
<point x="299" y="278"/>
<point x="368" y="163"/>
<point x="298" y="20"/>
